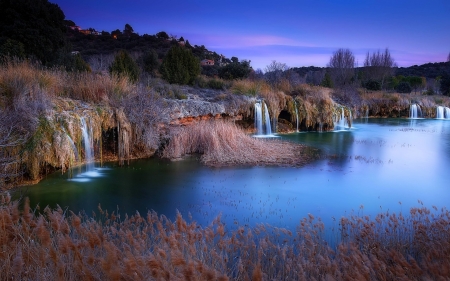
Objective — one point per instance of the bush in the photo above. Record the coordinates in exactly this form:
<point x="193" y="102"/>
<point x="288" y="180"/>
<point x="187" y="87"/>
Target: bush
<point x="124" y="65"/>
<point x="373" y="85"/>
<point x="404" y="87"/>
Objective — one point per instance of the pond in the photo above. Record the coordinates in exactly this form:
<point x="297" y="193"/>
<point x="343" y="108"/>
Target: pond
<point x="376" y="166"/>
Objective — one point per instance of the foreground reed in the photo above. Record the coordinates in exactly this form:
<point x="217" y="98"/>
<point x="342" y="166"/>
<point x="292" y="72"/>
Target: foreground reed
<point x="223" y="143"/>
<point x="60" y="245"/>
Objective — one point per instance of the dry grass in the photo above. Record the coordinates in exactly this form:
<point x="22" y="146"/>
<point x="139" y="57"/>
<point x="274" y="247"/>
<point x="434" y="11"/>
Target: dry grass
<point x="60" y="245"/>
<point x="223" y="143"/>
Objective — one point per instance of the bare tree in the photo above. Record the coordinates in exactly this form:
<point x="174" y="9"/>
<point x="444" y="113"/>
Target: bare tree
<point x="274" y="72"/>
<point x="378" y="66"/>
<point x="342" y="67"/>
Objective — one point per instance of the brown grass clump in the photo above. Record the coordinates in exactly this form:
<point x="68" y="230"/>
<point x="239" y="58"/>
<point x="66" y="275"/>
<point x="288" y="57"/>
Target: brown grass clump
<point x="223" y="143"/>
<point x="60" y="245"/>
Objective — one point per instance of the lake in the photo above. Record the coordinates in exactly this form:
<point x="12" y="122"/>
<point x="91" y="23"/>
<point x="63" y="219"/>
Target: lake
<point x="378" y="165"/>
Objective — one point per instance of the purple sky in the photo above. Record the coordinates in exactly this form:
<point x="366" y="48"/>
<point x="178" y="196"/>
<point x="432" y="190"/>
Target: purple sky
<point x="295" y="32"/>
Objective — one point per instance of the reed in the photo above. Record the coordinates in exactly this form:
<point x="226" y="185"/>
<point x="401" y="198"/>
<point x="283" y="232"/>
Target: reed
<point x="60" y="245"/>
<point x="222" y="143"/>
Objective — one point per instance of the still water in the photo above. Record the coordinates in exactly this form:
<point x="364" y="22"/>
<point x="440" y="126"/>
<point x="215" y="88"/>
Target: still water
<point x="378" y="165"/>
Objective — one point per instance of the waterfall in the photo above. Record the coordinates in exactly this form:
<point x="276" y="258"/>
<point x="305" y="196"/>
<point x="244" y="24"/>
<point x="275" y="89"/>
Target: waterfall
<point x="262" y="119"/>
<point x="74" y="147"/>
<point x="267" y="120"/>
<point x="296" y="113"/>
<point x="340" y="124"/>
<point x="88" y="145"/>
<point x="415" y="111"/>
<point x="442" y="112"/>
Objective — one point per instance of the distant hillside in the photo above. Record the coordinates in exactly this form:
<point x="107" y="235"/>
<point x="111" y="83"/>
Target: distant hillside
<point x="428" y="70"/>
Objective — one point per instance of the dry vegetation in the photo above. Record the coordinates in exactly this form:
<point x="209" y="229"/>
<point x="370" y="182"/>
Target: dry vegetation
<point x="60" y="245"/>
<point x="223" y="143"/>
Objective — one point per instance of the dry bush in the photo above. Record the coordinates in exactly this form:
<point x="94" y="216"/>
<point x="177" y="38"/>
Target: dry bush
<point x="60" y="245"/>
<point x="250" y="87"/>
<point x="223" y="143"/>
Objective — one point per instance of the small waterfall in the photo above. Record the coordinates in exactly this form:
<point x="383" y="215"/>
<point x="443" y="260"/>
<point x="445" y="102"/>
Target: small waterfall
<point x="442" y="112"/>
<point x="267" y="120"/>
<point x="74" y="147"/>
<point x="262" y="119"/>
<point x="341" y="124"/>
<point x="88" y="145"/>
<point x="296" y="114"/>
<point x="415" y="111"/>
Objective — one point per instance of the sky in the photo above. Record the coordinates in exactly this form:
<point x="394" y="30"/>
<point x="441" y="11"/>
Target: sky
<point x="295" y="32"/>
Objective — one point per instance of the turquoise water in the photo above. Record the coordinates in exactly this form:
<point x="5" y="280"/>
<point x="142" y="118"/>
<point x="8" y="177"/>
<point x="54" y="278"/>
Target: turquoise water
<point x="378" y="165"/>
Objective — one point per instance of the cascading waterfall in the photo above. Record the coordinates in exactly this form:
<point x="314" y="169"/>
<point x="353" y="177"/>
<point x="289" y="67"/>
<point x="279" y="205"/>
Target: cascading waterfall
<point x="267" y="120"/>
<point x="74" y="147"/>
<point x="415" y="111"/>
<point x="296" y="113"/>
<point x="88" y="145"/>
<point x="442" y="112"/>
<point x="262" y="119"/>
<point x="341" y="124"/>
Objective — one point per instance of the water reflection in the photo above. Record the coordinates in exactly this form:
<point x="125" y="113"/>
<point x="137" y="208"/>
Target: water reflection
<point x="376" y="165"/>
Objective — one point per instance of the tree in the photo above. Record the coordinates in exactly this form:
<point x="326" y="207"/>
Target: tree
<point x="404" y="87"/>
<point x="128" y="31"/>
<point x="180" y="66"/>
<point x="378" y="67"/>
<point x="150" y="61"/>
<point x="37" y="24"/>
<point x="124" y="65"/>
<point x="445" y="84"/>
<point x="342" y="67"/>
<point x="12" y="49"/>
<point x="274" y="72"/>
<point x="235" y="69"/>
<point x="162" y="35"/>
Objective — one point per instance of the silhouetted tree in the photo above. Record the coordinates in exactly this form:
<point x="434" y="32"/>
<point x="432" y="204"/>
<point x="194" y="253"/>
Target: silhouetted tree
<point x="128" y="31"/>
<point x="150" y="61"/>
<point x="12" y="49"/>
<point x="37" y="24"/>
<point x="162" y="35"/>
<point x="274" y="72"/>
<point x="378" y="67"/>
<point x="342" y="67"/>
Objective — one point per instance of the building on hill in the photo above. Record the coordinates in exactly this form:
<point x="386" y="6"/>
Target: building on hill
<point x="206" y="62"/>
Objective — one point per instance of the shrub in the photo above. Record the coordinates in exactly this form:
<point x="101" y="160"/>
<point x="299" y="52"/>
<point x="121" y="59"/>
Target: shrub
<point x="404" y="87"/>
<point x="124" y="65"/>
<point x="373" y="85"/>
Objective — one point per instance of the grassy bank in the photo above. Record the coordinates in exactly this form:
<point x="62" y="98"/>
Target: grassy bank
<point x="60" y="245"/>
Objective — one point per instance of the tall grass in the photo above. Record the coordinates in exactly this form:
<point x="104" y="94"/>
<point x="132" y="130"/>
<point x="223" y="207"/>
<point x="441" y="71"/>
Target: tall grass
<point x="223" y="143"/>
<point x="60" y="245"/>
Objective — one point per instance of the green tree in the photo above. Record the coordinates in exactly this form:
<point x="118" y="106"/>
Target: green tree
<point x="150" y="61"/>
<point x="124" y="65"/>
<point x="180" y="66"/>
<point x="37" y="24"/>
<point x="235" y="69"/>
<point x="327" y="82"/>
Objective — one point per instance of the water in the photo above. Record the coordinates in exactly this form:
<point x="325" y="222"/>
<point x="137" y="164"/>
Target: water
<point x="342" y="124"/>
<point x="262" y="123"/>
<point x="381" y="164"/>
<point x="89" y="170"/>
<point x="296" y="115"/>
<point x="415" y="111"/>
<point x="442" y="112"/>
